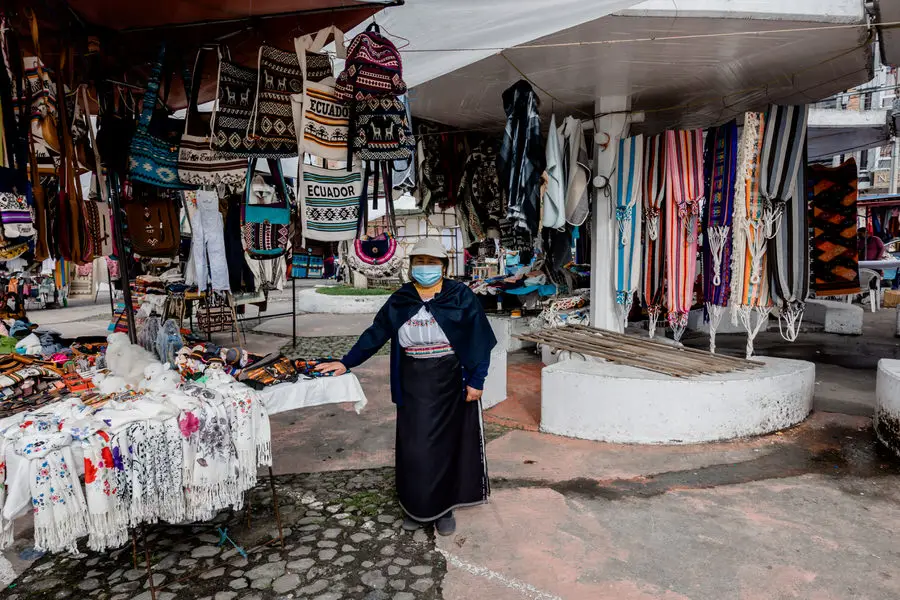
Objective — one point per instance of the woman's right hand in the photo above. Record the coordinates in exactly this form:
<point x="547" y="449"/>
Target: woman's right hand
<point x="335" y="368"/>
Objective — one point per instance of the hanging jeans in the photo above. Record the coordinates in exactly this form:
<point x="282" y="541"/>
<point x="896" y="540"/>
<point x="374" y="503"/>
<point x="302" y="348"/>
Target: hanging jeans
<point x="208" y="242"/>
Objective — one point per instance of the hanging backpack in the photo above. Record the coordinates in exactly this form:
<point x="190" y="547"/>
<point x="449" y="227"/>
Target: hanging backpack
<point x="373" y="68"/>
<point x="154" y="147"/>
<point x="266" y="215"/>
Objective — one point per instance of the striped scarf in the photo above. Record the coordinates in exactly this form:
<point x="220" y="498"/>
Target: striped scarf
<point x="628" y="243"/>
<point x="684" y="176"/>
<point x="654" y="186"/>
<point x="749" y="285"/>
<point x="789" y="261"/>
<point x="780" y="161"/>
<point x="720" y="165"/>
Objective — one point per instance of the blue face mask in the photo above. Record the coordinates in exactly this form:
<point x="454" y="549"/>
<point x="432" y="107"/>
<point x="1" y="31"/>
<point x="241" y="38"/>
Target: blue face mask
<point x="427" y="275"/>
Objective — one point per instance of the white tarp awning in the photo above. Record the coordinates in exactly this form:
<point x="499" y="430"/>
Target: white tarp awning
<point x="461" y="25"/>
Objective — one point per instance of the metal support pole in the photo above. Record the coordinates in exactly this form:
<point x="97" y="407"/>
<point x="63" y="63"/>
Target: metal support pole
<point x="294" y="307"/>
<point x="124" y="257"/>
<point x="895" y="165"/>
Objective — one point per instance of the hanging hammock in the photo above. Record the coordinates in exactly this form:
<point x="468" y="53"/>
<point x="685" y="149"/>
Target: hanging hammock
<point x="654" y="186"/>
<point x="789" y="261"/>
<point x="629" y="168"/>
<point x="720" y="163"/>
<point x="684" y="181"/>
<point x="749" y="283"/>
<point x="780" y="162"/>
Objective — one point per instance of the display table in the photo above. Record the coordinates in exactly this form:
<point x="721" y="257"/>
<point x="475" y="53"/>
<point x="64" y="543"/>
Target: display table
<point x="314" y="392"/>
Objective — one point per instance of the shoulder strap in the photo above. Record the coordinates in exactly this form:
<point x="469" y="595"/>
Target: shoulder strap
<point x="101" y="176"/>
<point x="152" y="91"/>
<point x="193" y="111"/>
<point x="308" y="43"/>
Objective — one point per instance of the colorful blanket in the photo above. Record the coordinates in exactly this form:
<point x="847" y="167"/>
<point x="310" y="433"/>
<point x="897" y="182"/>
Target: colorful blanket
<point x="835" y="260"/>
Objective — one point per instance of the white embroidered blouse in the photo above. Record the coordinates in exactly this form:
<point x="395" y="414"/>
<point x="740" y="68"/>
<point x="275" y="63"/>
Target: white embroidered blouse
<point x="422" y="337"/>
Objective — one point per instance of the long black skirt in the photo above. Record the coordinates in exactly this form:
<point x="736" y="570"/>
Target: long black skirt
<point x="440" y="440"/>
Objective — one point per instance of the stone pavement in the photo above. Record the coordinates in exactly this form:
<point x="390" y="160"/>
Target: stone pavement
<point x="809" y="513"/>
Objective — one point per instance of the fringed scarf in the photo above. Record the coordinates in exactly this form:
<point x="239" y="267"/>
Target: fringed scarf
<point x="629" y="170"/>
<point x="58" y="505"/>
<point x="684" y="183"/>
<point x="108" y="521"/>
<point x="780" y="161"/>
<point x="720" y="166"/>
<point x="749" y="284"/>
<point x="654" y="186"/>
<point x="789" y="261"/>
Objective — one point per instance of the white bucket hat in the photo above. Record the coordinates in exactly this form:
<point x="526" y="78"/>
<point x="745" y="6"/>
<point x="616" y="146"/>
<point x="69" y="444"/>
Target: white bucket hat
<point x="429" y="247"/>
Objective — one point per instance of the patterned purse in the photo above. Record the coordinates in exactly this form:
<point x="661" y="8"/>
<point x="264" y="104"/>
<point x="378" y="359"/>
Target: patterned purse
<point x="329" y="203"/>
<point x="154" y="159"/>
<point x="198" y="161"/>
<point x="321" y="119"/>
<point x="376" y="257"/>
<point x="152" y="218"/>
<point x="280" y="76"/>
<point x="382" y="131"/>
<point x="16" y="214"/>
<point x="266" y="215"/>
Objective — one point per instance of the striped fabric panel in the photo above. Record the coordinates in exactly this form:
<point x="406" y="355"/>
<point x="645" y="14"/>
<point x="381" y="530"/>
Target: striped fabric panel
<point x="629" y="171"/>
<point x="684" y="174"/>
<point x="782" y="152"/>
<point x="721" y="165"/>
<point x="654" y="186"/>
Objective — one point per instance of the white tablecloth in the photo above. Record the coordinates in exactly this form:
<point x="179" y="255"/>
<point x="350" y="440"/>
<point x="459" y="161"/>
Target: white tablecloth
<point x="314" y="392"/>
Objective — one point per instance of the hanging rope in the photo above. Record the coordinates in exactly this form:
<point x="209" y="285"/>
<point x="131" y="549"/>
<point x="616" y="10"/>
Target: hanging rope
<point x="684" y="177"/>
<point x="720" y="161"/>
<point x="654" y="188"/>
<point x="629" y="168"/>
<point x="749" y="287"/>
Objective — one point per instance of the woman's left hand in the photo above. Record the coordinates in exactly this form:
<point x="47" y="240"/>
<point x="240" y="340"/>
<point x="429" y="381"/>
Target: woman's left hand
<point x="473" y="395"/>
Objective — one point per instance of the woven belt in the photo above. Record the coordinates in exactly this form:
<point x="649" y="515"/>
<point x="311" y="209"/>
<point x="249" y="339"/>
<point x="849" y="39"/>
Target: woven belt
<point x="434" y="351"/>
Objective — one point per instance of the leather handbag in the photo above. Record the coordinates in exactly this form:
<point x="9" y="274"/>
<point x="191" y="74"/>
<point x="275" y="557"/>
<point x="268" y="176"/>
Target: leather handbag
<point x="44" y="109"/>
<point x="154" y="147"/>
<point x="266" y="215"/>
<point x="199" y="163"/>
<point x="151" y="214"/>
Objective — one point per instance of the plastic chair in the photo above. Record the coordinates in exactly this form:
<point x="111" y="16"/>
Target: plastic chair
<point x="865" y="280"/>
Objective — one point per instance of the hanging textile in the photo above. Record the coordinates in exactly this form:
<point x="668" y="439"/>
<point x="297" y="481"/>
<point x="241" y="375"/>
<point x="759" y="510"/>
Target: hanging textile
<point x="521" y="160"/>
<point x="684" y="181"/>
<point x="577" y="171"/>
<point x="720" y="165"/>
<point x="782" y="153"/>
<point x="835" y="261"/>
<point x="789" y="261"/>
<point x="554" y="200"/>
<point x="749" y="282"/>
<point x="629" y="168"/>
<point x="329" y="202"/>
<point x="654" y="186"/>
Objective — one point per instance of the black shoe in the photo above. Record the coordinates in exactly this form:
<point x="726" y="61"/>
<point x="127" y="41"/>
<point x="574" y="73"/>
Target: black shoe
<point x="410" y="524"/>
<point x="446" y="525"/>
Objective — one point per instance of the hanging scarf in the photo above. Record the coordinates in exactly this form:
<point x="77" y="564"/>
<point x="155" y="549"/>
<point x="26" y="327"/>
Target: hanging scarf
<point x="780" y="161"/>
<point x="721" y="163"/>
<point x="654" y="185"/>
<point x="630" y="161"/>
<point x="749" y="284"/>
<point x="789" y="261"/>
<point x="108" y="522"/>
<point x="684" y="177"/>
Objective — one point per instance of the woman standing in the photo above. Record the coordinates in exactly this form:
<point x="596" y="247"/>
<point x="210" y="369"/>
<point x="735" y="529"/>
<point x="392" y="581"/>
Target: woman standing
<point x="441" y="345"/>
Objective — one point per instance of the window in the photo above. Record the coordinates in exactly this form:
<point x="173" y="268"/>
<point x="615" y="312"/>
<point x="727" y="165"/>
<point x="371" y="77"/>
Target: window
<point x="864" y="160"/>
<point x="867" y="101"/>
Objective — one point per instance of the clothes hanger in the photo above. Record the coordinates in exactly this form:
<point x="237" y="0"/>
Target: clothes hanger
<point x="393" y="35"/>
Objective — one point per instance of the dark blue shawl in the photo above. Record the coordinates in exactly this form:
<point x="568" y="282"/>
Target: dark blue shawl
<point x="459" y="313"/>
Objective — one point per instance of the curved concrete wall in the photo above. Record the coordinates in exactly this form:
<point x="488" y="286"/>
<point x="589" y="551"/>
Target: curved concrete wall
<point x="310" y="301"/>
<point x="887" y="404"/>
<point x="614" y="403"/>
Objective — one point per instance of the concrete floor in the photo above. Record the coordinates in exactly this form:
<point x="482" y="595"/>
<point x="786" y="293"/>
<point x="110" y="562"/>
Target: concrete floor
<point x="809" y="513"/>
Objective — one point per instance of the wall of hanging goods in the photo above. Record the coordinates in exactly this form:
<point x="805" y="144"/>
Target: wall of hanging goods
<point x="191" y="219"/>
